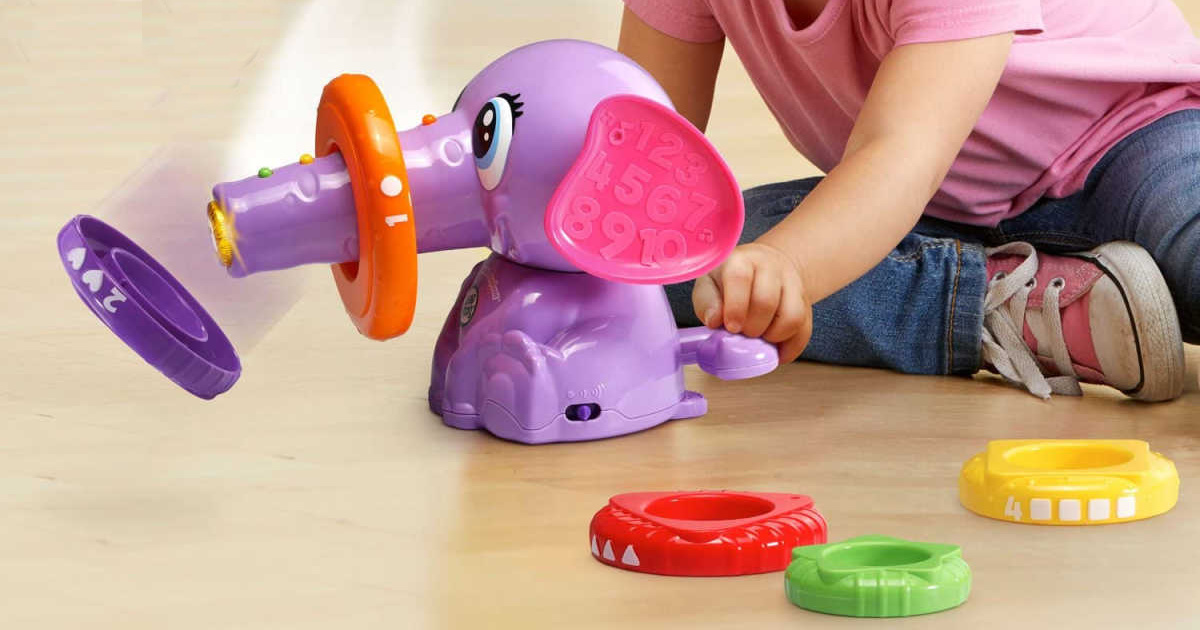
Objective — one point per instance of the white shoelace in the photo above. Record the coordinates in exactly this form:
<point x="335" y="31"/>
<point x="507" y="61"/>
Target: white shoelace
<point x="1004" y="318"/>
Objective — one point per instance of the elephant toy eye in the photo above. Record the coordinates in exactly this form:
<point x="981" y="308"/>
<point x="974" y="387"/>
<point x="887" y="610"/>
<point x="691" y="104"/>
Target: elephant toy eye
<point x="492" y="135"/>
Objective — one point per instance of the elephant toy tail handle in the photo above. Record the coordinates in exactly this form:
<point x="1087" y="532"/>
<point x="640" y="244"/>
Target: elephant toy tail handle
<point x="648" y="200"/>
<point x="726" y="355"/>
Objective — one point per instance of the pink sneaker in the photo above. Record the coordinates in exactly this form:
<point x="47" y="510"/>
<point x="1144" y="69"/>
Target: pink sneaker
<point x="1102" y="316"/>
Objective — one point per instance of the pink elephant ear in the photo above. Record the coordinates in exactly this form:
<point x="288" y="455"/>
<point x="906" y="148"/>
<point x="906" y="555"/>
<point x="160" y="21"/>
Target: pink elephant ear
<point x="648" y="200"/>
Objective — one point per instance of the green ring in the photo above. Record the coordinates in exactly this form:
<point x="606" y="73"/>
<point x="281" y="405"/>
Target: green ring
<point x="877" y="576"/>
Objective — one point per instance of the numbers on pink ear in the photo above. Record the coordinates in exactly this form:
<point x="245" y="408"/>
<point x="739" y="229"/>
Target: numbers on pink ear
<point x="576" y="227"/>
<point x="599" y="171"/>
<point x="662" y="205"/>
<point x="647" y="131"/>
<point x="647" y="200"/>
<point x="690" y="175"/>
<point x="671" y="247"/>
<point x="704" y="207"/>
<point x="662" y="154"/>
<point x="619" y="229"/>
<point x="578" y="222"/>
<point x="631" y="188"/>
<point x="586" y="207"/>
<point x="660" y="247"/>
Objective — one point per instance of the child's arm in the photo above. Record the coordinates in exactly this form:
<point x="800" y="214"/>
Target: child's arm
<point x="924" y="102"/>
<point x="686" y="70"/>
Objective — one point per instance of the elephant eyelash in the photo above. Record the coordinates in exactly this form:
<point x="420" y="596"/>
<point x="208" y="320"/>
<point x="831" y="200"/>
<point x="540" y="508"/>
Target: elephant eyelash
<point x="514" y="104"/>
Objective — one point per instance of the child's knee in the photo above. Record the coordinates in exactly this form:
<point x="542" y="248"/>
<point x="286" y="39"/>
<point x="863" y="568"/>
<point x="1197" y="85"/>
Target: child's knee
<point x="1176" y="255"/>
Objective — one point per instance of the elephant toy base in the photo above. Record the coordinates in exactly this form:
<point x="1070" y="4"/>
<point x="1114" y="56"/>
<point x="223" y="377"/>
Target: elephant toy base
<point x="498" y="421"/>
<point x="535" y="355"/>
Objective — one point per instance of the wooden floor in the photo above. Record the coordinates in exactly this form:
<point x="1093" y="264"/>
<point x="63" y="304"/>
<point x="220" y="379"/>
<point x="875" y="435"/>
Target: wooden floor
<point x="321" y="493"/>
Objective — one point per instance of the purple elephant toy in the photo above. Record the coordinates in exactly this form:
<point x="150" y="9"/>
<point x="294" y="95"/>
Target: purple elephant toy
<point x="567" y="160"/>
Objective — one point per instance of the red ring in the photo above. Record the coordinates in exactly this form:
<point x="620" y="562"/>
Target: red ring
<point x="704" y="533"/>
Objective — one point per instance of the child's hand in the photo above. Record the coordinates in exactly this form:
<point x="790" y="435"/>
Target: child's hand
<point x="759" y="292"/>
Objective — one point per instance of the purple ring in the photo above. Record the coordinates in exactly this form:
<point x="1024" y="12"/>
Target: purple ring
<point x="146" y="307"/>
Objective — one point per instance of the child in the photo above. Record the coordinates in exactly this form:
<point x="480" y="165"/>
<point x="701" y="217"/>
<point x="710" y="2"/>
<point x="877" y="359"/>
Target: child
<point x="973" y="150"/>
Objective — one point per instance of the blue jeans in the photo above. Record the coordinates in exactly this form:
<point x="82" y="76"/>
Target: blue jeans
<point x="921" y="310"/>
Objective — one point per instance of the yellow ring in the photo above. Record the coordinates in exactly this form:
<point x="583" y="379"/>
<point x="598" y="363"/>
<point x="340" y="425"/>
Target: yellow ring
<point x="1068" y="482"/>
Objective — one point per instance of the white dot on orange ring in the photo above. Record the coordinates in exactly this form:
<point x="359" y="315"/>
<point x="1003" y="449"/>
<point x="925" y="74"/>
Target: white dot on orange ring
<point x="391" y="186"/>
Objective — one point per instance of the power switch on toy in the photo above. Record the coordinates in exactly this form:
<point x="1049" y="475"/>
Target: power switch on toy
<point x="582" y="413"/>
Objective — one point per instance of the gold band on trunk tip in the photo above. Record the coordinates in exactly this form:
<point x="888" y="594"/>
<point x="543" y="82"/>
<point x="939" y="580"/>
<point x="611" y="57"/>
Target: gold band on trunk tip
<point x="222" y="233"/>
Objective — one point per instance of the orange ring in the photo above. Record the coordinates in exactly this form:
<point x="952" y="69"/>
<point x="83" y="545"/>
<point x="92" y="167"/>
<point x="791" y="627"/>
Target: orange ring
<point x="380" y="290"/>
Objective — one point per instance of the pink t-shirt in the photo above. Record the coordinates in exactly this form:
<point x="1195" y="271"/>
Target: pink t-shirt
<point x="1082" y="74"/>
